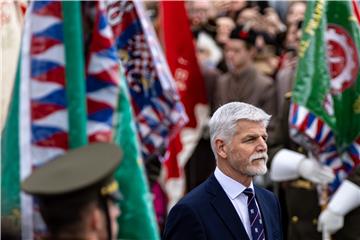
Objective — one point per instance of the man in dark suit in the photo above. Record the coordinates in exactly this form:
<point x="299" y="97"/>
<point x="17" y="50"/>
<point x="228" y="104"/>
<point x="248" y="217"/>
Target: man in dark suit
<point x="227" y="205"/>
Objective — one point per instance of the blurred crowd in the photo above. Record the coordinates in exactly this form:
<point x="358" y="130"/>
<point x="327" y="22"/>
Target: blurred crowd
<point x="272" y="28"/>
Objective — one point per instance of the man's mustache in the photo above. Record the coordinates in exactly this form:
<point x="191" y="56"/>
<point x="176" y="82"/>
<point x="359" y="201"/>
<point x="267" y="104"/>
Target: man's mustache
<point x="257" y="156"/>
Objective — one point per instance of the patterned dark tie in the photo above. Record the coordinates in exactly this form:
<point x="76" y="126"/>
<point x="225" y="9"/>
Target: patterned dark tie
<point x="256" y="224"/>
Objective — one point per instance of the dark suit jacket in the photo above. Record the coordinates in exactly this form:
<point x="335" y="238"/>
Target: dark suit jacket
<point x="207" y="213"/>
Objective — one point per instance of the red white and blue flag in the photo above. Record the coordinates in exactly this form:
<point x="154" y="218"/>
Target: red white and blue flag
<point x="48" y="94"/>
<point x="43" y="115"/>
<point x="43" y="72"/>
<point x="159" y="114"/>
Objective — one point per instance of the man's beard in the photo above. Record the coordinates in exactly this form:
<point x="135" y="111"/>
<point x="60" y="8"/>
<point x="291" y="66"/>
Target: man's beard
<point x="250" y="169"/>
<point x="260" y="170"/>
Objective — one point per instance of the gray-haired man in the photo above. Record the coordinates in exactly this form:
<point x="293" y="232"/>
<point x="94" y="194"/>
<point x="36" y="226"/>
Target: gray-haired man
<point x="227" y="205"/>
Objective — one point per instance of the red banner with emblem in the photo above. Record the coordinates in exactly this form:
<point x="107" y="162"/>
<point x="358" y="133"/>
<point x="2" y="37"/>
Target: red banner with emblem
<point x="180" y="54"/>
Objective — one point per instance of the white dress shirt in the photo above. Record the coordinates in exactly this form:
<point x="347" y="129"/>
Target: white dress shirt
<point x="233" y="190"/>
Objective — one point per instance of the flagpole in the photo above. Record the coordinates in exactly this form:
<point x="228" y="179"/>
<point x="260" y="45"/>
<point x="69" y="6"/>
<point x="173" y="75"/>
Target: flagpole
<point x="23" y="77"/>
<point x="75" y="73"/>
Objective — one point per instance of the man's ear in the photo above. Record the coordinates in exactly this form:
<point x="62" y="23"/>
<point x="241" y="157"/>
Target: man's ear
<point x="96" y="222"/>
<point x="220" y="148"/>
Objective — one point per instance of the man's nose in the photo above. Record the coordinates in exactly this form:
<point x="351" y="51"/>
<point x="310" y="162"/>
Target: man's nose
<point x="262" y="145"/>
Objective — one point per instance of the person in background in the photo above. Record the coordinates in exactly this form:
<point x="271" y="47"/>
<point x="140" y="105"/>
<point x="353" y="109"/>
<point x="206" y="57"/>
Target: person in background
<point x="208" y="53"/>
<point x="224" y="26"/>
<point x="228" y="205"/>
<point x="296" y="12"/>
<point x="229" y="8"/>
<point x="77" y="194"/>
<point x="243" y="82"/>
<point x="268" y="27"/>
<point x="284" y="78"/>
<point x="201" y="15"/>
<point x="247" y="15"/>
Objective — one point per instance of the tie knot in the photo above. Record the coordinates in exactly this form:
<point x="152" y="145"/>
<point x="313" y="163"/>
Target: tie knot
<point x="248" y="192"/>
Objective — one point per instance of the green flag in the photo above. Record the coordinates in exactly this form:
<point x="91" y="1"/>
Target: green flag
<point x="10" y="175"/>
<point x="325" y="112"/>
<point x="137" y="220"/>
<point x="327" y="80"/>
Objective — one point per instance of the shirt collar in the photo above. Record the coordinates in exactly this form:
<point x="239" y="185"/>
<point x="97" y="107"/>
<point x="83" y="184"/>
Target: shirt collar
<point x="231" y="187"/>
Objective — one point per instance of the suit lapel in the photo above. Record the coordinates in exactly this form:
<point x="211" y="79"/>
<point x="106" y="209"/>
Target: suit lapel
<point x="225" y="209"/>
<point x="265" y="211"/>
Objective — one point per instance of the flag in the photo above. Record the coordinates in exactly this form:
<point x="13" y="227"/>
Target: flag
<point x="11" y="23"/>
<point x="325" y="111"/>
<point x="137" y="209"/>
<point x="65" y="96"/>
<point x="10" y="175"/>
<point x="36" y="128"/>
<point x="158" y="112"/>
<point x="180" y="53"/>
